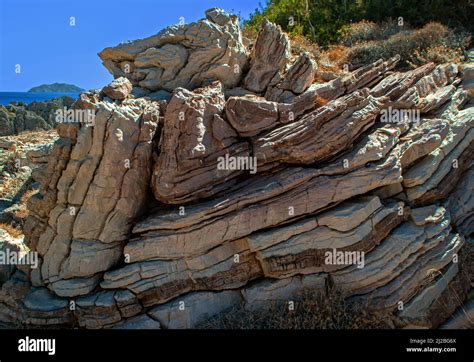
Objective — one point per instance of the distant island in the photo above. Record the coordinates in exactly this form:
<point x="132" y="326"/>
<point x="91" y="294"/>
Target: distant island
<point x="56" y="88"/>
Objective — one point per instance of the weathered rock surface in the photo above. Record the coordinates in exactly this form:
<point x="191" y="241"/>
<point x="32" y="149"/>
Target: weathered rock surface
<point x="271" y="53"/>
<point x="301" y="74"/>
<point x="462" y="319"/>
<point x="314" y="137"/>
<point x="396" y="257"/>
<point x="274" y="200"/>
<point x="306" y="251"/>
<point x="119" y="89"/>
<point x="144" y="221"/>
<point x="96" y="186"/>
<point x="194" y="137"/>
<point x="461" y="204"/>
<point x="436" y="174"/>
<point x="142" y="321"/>
<point x="194" y="309"/>
<point x="21" y="303"/>
<point x="186" y="55"/>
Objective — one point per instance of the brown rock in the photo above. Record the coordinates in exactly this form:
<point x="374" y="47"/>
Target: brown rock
<point x="195" y="140"/>
<point x="183" y="55"/>
<point x="85" y="211"/>
<point x="118" y="89"/>
<point x="271" y="53"/>
<point x="320" y="134"/>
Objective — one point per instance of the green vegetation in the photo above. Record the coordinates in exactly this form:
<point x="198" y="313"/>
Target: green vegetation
<point x="327" y="21"/>
<point x="358" y="32"/>
<point x="56" y="88"/>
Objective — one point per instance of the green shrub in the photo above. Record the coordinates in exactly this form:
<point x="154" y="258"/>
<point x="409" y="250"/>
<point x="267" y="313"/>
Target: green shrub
<point x="322" y="21"/>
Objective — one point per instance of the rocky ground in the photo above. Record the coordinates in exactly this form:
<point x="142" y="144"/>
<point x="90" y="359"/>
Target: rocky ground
<point x="137" y="225"/>
<point x="19" y="156"/>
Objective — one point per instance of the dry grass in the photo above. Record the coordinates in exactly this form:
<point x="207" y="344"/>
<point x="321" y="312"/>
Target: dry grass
<point x="14" y="232"/>
<point x="22" y="212"/>
<point x="320" y="101"/>
<point x="329" y="60"/>
<point x="314" y="309"/>
<point x="466" y="261"/>
<point x="336" y="54"/>
<point x="364" y="31"/>
<point x="300" y="44"/>
<point x="36" y="137"/>
<point x="437" y="54"/>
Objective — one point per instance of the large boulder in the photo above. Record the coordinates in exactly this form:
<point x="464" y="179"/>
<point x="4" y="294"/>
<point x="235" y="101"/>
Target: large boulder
<point x="185" y="55"/>
<point x="119" y="89"/>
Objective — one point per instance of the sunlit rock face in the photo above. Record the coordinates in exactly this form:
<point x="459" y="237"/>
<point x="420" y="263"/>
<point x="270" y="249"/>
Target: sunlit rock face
<point x="187" y="55"/>
<point x="218" y="176"/>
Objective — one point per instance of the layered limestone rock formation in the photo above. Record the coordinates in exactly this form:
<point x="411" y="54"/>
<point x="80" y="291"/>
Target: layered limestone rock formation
<point x="250" y="184"/>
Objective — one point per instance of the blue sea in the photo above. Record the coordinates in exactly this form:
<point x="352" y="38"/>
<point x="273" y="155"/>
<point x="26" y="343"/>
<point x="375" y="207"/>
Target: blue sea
<point x="27" y="98"/>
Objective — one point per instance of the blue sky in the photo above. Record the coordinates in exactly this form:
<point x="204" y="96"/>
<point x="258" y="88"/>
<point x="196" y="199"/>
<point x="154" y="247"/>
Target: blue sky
<point x="36" y="35"/>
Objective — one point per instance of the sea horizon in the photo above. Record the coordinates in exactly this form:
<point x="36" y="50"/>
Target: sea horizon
<point x="29" y="97"/>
